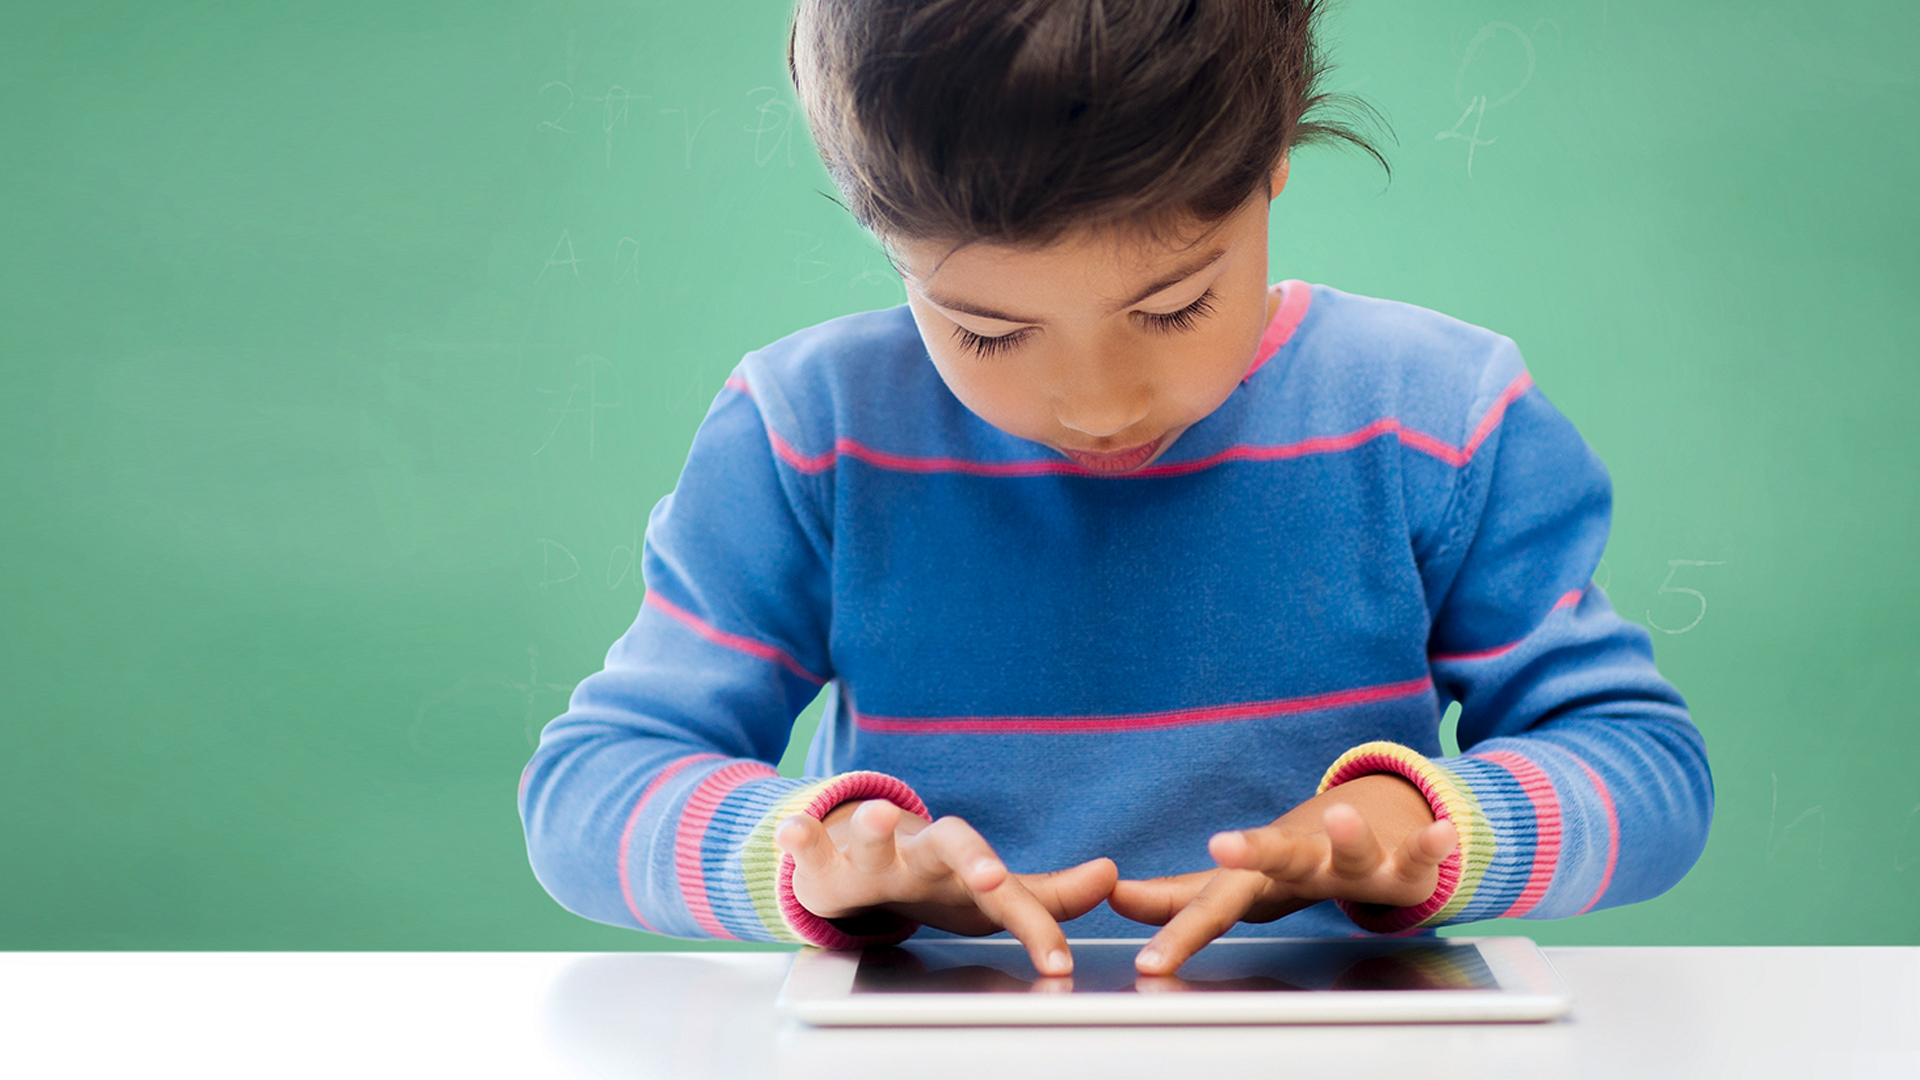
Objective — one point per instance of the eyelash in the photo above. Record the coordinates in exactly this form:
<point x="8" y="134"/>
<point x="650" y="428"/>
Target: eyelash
<point x="1175" y="321"/>
<point x="982" y="345"/>
<point x="1172" y="322"/>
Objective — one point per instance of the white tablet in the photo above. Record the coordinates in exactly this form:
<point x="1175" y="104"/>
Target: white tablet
<point x="943" y="982"/>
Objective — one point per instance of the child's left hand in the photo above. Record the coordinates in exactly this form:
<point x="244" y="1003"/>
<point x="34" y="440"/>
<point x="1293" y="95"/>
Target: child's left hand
<point x="1371" y="840"/>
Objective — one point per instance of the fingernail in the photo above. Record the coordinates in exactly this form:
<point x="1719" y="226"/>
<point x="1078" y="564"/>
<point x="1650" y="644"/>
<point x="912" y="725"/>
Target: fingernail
<point x="1058" y="963"/>
<point x="986" y="866"/>
<point x="1150" y="957"/>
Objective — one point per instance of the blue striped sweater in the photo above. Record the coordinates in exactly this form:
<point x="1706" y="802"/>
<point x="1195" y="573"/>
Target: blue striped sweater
<point x="1385" y="517"/>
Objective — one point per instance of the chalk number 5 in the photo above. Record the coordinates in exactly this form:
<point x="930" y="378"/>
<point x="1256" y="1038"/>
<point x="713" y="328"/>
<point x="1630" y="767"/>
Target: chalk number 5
<point x="1667" y="586"/>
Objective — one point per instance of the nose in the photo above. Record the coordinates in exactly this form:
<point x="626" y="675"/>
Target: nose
<point x="1100" y="391"/>
<point x="1100" y="416"/>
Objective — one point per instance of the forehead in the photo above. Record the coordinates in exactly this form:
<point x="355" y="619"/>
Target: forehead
<point x="1109" y="263"/>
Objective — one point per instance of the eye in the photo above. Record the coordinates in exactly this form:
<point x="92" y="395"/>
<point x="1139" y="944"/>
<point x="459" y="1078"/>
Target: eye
<point x="1175" y="321"/>
<point x="982" y="345"/>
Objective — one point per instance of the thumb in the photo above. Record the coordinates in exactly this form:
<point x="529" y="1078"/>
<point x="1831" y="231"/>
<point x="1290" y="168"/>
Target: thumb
<point x="1071" y="893"/>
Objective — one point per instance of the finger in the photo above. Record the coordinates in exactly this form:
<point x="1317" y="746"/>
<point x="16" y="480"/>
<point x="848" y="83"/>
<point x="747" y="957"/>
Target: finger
<point x="1013" y="907"/>
<point x="1071" y="893"/>
<point x="1156" y="901"/>
<point x="1353" y="850"/>
<point x="1425" y="850"/>
<point x="870" y="845"/>
<point x="954" y="843"/>
<point x="951" y="846"/>
<point x="807" y="841"/>
<point x="1211" y="912"/>
<point x="1270" y="850"/>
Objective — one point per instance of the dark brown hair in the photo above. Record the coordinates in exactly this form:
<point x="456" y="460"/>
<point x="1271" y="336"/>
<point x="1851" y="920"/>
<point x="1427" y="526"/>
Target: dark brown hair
<point x="1018" y="120"/>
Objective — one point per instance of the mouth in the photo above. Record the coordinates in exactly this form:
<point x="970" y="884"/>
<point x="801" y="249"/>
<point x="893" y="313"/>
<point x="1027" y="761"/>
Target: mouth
<point x="1117" y="461"/>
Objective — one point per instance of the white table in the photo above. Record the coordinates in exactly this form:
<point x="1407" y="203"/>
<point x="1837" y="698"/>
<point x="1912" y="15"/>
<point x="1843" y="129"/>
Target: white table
<point x="1638" y="1013"/>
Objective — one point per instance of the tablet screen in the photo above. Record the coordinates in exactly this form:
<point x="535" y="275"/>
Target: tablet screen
<point x="950" y="967"/>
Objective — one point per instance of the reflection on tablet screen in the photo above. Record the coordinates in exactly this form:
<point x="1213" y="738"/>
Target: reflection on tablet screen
<point x="939" y="967"/>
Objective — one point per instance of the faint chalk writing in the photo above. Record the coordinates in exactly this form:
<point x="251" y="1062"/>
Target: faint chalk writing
<point x="533" y="688"/>
<point x="1475" y="106"/>
<point x="690" y="129"/>
<point x="588" y="394"/>
<point x="806" y="268"/>
<point x="628" y="556"/>
<point x="548" y="565"/>
<point x="626" y="259"/>
<point x="1817" y="812"/>
<point x="554" y="124"/>
<point x="1667" y="586"/>
<point x="1597" y="582"/>
<point x="572" y="261"/>
<point x="883" y="276"/>
<point x="613" y="112"/>
<point x="1473" y="141"/>
<point x="773" y="117"/>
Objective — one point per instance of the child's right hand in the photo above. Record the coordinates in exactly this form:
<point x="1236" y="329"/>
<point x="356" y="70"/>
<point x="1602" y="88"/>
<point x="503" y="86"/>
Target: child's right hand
<point x="871" y="854"/>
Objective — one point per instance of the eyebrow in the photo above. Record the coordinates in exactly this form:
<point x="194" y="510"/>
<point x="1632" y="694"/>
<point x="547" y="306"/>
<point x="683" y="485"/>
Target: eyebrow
<point x="1173" y="278"/>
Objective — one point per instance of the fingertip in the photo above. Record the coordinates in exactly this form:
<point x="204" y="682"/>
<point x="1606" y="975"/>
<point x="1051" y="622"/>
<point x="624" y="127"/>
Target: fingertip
<point x="1154" y="960"/>
<point x="1230" y="848"/>
<point x="876" y="815"/>
<point x="986" y="875"/>
<point x="1059" y="962"/>
<point x="1340" y="812"/>
<point x="1081" y="888"/>
<point x="790" y="834"/>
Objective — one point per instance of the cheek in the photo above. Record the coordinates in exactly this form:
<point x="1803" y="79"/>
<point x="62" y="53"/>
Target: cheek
<point x="994" y="391"/>
<point x="1206" y="372"/>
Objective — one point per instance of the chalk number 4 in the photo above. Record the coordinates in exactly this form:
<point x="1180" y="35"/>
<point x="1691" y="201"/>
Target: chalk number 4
<point x="1667" y="586"/>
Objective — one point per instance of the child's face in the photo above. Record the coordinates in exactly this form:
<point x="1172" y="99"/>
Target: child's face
<point x="1105" y="347"/>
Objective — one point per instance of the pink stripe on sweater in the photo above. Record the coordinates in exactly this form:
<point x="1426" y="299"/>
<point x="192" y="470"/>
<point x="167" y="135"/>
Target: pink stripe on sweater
<point x="1318" y="444"/>
<point x="1613" y="832"/>
<point x="633" y="818"/>
<point x="694" y="818"/>
<point x="1148" y="721"/>
<point x="732" y="641"/>
<point x="1295" y="297"/>
<point x="1427" y="444"/>
<point x="1566" y="600"/>
<point x="1546" y="826"/>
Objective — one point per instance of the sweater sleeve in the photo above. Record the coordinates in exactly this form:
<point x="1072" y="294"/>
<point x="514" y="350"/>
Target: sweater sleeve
<point x="652" y="801"/>
<point x="1583" y="783"/>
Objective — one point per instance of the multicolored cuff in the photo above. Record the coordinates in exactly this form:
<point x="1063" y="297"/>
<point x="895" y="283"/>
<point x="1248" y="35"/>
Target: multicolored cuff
<point x="769" y="871"/>
<point x="1451" y="800"/>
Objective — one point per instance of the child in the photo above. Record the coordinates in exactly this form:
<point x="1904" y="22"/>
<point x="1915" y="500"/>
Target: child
<point x="1101" y="546"/>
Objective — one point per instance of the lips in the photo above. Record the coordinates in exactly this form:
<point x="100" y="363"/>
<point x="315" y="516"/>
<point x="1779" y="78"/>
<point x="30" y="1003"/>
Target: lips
<point x="1118" y="461"/>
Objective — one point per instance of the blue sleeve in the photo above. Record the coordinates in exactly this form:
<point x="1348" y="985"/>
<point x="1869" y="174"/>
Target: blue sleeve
<point x="1583" y="783"/>
<point x="651" y="802"/>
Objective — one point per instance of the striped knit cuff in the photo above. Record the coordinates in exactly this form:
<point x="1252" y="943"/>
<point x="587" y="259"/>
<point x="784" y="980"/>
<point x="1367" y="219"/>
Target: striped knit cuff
<point x="1452" y="800"/>
<point x="769" y="871"/>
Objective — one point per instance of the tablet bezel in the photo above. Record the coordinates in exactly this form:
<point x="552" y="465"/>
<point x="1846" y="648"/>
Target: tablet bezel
<point x="819" y="991"/>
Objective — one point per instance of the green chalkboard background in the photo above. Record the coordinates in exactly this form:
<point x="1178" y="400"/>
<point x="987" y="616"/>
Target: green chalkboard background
<point x="347" y="344"/>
